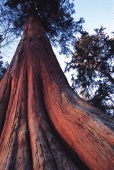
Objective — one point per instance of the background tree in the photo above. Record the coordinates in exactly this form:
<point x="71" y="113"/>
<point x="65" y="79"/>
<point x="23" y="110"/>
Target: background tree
<point x="43" y="124"/>
<point x="93" y="62"/>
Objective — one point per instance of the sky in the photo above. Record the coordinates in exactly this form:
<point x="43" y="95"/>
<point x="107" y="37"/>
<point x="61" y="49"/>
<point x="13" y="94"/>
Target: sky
<point x="96" y="13"/>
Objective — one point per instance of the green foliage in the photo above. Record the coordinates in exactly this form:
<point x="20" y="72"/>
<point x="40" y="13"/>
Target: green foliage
<point x="56" y="17"/>
<point x="93" y="62"/>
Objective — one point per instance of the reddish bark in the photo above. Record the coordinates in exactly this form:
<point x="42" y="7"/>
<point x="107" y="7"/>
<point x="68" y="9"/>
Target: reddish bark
<point x="39" y="114"/>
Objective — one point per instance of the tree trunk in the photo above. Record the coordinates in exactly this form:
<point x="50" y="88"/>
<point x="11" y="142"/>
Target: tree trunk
<point x="43" y="124"/>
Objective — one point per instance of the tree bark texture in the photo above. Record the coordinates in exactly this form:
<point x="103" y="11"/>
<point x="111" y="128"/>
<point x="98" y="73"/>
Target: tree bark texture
<point x="43" y="124"/>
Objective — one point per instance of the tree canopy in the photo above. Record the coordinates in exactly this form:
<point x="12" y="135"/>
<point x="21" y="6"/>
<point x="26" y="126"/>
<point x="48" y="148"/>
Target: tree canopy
<point x="93" y="62"/>
<point x="56" y="17"/>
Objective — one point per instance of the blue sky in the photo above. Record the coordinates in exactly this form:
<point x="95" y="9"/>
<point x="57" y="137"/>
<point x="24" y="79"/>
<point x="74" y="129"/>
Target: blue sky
<point x="96" y="13"/>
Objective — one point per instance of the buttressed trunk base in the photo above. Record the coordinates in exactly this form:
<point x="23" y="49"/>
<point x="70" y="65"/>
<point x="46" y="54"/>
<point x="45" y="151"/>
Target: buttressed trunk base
<point x="39" y="114"/>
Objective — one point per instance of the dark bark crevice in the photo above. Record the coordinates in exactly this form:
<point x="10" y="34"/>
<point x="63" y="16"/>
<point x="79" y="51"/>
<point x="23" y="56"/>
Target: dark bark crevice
<point x="43" y="120"/>
<point x="28" y="134"/>
<point x="67" y="149"/>
<point x="56" y="138"/>
<point x="4" y="105"/>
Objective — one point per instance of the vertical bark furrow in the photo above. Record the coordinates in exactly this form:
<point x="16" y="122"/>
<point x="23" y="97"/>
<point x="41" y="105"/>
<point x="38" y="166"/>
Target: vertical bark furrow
<point x="40" y="152"/>
<point x="46" y="151"/>
<point x="14" y="151"/>
<point x="4" y="105"/>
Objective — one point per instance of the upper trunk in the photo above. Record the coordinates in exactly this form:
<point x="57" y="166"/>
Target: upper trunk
<point x="39" y="114"/>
